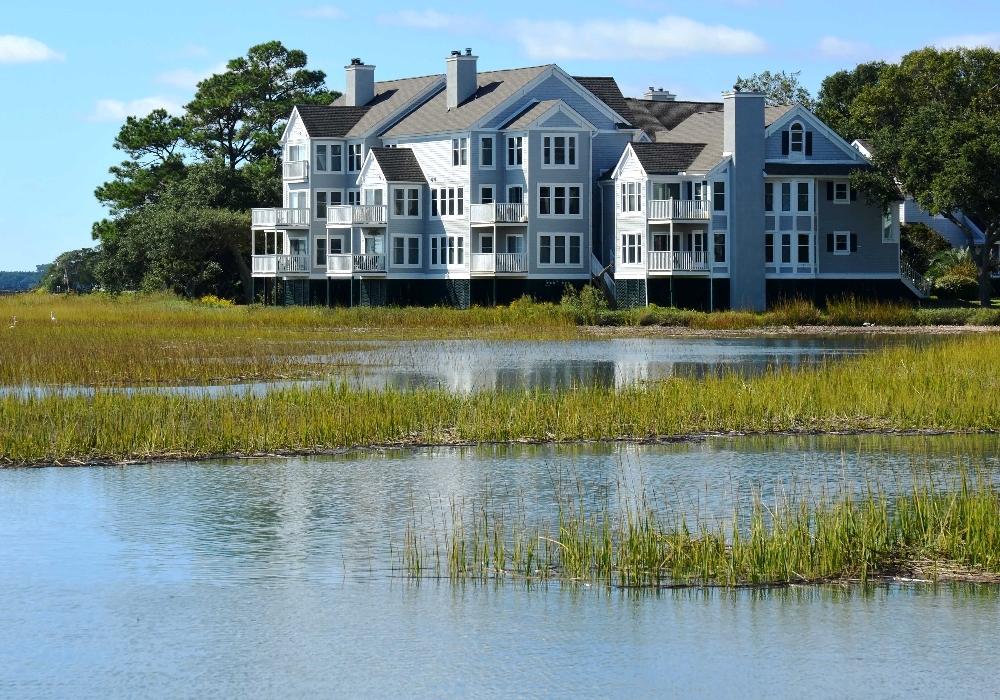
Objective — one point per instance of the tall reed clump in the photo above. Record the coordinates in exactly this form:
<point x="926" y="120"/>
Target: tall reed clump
<point x="953" y="386"/>
<point x="928" y="533"/>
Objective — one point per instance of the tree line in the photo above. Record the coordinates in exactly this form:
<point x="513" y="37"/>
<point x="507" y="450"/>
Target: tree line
<point x="179" y="203"/>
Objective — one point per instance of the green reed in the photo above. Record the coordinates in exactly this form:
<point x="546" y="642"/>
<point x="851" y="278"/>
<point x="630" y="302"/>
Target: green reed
<point x="929" y="532"/>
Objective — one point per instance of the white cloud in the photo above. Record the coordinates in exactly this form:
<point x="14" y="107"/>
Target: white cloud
<point x="110" y="110"/>
<point x="429" y="19"/>
<point x="323" y="12"/>
<point x="24" y="49"/>
<point x="970" y="41"/>
<point x="632" y="39"/>
<point x="188" y="78"/>
<point x="835" y="47"/>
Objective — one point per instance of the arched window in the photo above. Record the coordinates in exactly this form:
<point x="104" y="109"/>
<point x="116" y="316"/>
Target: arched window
<point x="796" y="138"/>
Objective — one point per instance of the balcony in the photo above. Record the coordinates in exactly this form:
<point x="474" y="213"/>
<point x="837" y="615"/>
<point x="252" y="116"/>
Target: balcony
<point x="347" y="264"/>
<point x="678" y="209"/>
<point x="295" y="171"/>
<point x="357" y="215"/>
<point x="339" y="265"/>
<point x="678" y="261"/>
<point x="279" y="218"/>
<point x="280" y="264"/>
<point x="498" y="213"/>
<point x="369" y="262"/>
<point x="499" y="263"/>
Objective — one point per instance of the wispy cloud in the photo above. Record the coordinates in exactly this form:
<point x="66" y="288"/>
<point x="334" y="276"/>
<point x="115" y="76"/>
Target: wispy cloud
<point x="970" y="41"/>
<point x="24" y="49"/>
<point x="430" y="20"/>
<point x="632" y="39"/>
<point x="111" y="110"/>
<point x="836" y="47"/>
<point x="188" y="78"/>
<point x="323" y="12"/>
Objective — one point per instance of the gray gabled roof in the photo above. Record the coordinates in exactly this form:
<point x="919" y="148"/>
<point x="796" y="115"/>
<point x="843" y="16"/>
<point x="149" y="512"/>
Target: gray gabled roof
<point x="607" y="91"/>
<point x="494" y="87"/>
<point x="663" y="115"/>
<point x="398" y="165"/>
<point x="324" y="121"/>
<point x="667" y="158"/>
<point x="529" y="114"/>
<point x="392" y="97"/>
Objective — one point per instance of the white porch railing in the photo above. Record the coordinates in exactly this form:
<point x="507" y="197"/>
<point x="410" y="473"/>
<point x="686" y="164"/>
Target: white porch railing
<point x="498" y="213"/>
<point x="483" y="262"/>
<point x="512" y="262"/>
<point x="279" y="264"/>
<point x="295" y="170"/>
<point x="339" y="264"/>
<point x="285" y="218"/>
<point x="684" y="261"/>
<point x="662" y="209"/>
<point x="369" y="262"/>
<point x="350" y="214"/>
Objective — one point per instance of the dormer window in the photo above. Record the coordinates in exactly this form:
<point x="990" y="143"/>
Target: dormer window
<point x="797" y="139"/>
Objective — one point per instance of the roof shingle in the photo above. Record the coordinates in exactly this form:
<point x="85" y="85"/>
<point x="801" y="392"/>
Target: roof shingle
<point x="324" y="121"/>
<point x="607" y="91"/>
<point x="667" y="158"/>
<point x="399" y="165"/>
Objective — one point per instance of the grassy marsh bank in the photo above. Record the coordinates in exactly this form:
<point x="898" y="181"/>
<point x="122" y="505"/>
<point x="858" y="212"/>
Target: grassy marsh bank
<point x="927" y="534"/>
<point x="948" y="386"/>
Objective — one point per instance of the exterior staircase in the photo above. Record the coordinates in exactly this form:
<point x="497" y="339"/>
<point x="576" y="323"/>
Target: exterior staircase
<point x="914" y="281"/>
<point x="600" y="275"/>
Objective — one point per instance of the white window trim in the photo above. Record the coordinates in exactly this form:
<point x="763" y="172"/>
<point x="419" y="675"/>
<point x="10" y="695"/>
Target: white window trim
<point x="793" y="202"/>
<point x="442" y="251"/>
<point x="725" y="195"/>
<point x="725" y="247"/>
<point x="792" y="153"/>
<point x="356" y="191"/>
<point x="847" y="193"/>
<point x="552" y="185"/>
<point x="344" y="243"/>
<point x="464" y="199"/>
<point x="524" y="151"/>
<point x="552" y="249"/>
<point x="576" y="151"/>
<point x="519" y="187"/>
<point x="493" y="243"/>
<point x="811" y="258"/>
<point x="639" y="246"/>
<point x="847" y="242"/>
<point x="329" y="159"/>
<point x="405" y="237"/>
<point x="640" y="193"/>
<point x="316" y="244"/>
<point x="405" y="189"/>
<point x="303" y="193"/>
<point x="361" y="153"/>
<point x="482" y="138"/>
<point x="485" y="186"/>
<point x="329" y="204"/>
<point x="460" y="151"/>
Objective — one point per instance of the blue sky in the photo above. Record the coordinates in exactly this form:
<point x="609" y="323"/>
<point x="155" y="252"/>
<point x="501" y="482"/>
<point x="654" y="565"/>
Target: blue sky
<point x="71" y="71"/>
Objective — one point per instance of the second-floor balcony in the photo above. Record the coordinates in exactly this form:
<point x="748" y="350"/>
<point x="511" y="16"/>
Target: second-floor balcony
<point x="357" y="215"/>
<point x="502" y="263"/>
<point x="498" y="213"/>
<point x="678" y="209"/>
<point x="279" y="264"/>
<point x="295" y="170"/>
<point x="347" y="264"/>
<point x="678" y="261"/>
<point x="279" y="218"/>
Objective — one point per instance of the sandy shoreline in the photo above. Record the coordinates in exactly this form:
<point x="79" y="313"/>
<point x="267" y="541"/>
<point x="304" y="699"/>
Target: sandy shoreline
<point x="777" y="331"/>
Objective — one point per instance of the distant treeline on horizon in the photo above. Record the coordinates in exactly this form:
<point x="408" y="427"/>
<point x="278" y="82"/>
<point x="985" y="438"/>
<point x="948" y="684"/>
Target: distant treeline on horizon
<point x="20" y="280"/>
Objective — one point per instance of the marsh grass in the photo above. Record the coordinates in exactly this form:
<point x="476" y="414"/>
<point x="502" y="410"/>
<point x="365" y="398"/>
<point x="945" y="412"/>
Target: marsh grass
<point x="930" y="532"/>
<point x="948" y="386"/>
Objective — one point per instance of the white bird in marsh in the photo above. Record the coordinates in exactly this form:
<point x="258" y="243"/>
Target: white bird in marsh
<point x="52" y="316"/>
<point x="13" y="321"/>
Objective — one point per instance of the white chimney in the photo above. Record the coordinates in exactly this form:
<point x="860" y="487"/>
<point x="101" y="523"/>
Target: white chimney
<point x="360" y="83"/>
<point x="659" y="95"/>
<point x="462" y="80"/>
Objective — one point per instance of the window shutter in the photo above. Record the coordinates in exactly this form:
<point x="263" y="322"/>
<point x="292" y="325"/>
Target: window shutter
<point x="784" y="143"/>
<point x="829" y="243"/>
<point x="854" y="243"/>
<point x="809" y="143"/>
<point x="854" y="195"/>
<point x="829" y="190"/>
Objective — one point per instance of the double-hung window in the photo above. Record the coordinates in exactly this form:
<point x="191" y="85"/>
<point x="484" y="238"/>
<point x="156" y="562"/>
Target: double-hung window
<point x="327" y="158"/>
<point x="354" y="197"/>
<point x="486" y="194"/>
<point x="559" y="200"/>
<point x="786" y="196"/>
<point x="841" y="192"/>
<point x="804" y="249"/>
<point x="768" y="196"/>
<point x="448" y="201"/>
<point x="321" y="252"/>
<point x="515" y="150"/>
<point x="447" y="250"/>
<point x="796" y="143"/>
<point x="841" y="243"/>
<point x="486" y="152"/>
<point x="631" y="196"/>
<point x="406" y="201"/>
<point x="719" y="247"/>
<point x="631" y="248"/>
<point x="354" y="157"/>
<point x="406" y="251"/>
<point x="769" y="248"/>
<point x="559" y="249"/>
<point x="558" y="151"/>
<point x="460" y="151"/>
<point x="719" y="195"/>
<point x="803" y="197"/>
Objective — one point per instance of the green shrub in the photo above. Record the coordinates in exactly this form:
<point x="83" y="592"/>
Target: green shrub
<point x="957" y="285"/>
<point x="951" y="316"/>
<point x="984" y="317"/>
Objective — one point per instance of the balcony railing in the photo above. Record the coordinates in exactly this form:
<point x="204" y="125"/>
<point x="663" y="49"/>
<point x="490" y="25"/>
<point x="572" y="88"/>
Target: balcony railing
<point x="498" y="213"/>
<point x="280" y="264"/>
<point x="664" y="209"/>
<point x="339" y="264"/>
<point x="683" y="261"/>
<point x="357" y="214"/>
<point x="295" y="170"/>
<point x="500" y="262"/>
<point x="281" y="218"/>
<point x="369" y="262"/>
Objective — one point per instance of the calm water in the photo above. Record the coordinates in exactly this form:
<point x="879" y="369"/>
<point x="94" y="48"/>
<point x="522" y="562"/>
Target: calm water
<point x="472" y="365"/>
<point x="273" y="578"/>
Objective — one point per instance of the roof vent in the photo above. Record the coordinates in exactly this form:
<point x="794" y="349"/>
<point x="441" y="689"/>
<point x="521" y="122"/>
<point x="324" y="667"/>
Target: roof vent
<point x="659" y="95"/>
<point x="456" y="53"/>
<point x="468" y="52"/>
<point x="357" y="62"/>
